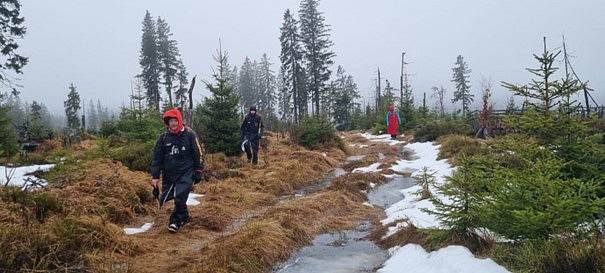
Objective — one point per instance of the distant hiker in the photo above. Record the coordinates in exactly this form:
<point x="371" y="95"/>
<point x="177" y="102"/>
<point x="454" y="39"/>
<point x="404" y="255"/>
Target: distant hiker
<point x="251" y="132"/>
<point x="393" y="120"/>
<point x="176" y="157"/>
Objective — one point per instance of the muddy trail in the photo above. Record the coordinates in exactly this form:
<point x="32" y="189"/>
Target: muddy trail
<point x="256" y="218"/>
<point x="243" y="219"/>
<point x="251" y="219"/>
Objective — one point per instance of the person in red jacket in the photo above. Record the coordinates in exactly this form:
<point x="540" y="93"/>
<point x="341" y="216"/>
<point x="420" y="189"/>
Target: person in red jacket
<point x="393" y="120"/>
<point x="177" y="159"/>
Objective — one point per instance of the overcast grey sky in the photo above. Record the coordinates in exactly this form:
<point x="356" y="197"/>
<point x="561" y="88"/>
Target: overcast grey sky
<point x="95" y="44"/>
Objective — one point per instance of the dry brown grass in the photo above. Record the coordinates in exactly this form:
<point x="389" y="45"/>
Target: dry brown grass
<point x="367" y="160"/>
<point x="60" y="242"/>
<point x="105" y="188"/>
<point x="355" y="138"/>
<point x="241" y="226"/>
<point x="261" y="244"/>
<point x="407" y="235"/>
<point x="356" y="182"/>
<point x="431" y="239"/>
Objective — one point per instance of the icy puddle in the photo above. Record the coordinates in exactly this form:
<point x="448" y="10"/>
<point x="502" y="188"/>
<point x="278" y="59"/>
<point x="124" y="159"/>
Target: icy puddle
<point x="387" y="194"/>
<point x="320" y="184"/>
<point x="348" y="251"/>
<point x="340" y="252"/>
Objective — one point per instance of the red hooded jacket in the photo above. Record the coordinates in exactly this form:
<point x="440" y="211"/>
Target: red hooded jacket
<point x="174" y="113"/>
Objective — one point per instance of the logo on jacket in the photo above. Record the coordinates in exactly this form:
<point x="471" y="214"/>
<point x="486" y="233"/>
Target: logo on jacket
<point x="174" y="150"/>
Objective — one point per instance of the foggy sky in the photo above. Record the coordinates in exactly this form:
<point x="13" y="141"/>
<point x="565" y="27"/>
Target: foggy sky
<point x="96" y="44"/>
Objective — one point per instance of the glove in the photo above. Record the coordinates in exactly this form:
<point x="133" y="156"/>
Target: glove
<point x="197" y="176"/>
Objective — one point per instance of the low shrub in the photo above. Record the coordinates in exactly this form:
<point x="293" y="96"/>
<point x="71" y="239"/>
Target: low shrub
<point x="552" y="256"/>
<point x="135" y="155"/>
<point x="455" y="145"/>
<point x="432" y="130"/>
<point x="317" y="132"/>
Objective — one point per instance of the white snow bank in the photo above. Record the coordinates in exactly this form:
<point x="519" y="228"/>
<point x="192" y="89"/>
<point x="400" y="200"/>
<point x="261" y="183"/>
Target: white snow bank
<point x="359" y="145"/>
<point x="20" y="175"/>
<point x="451" y="259"/>
<point x="145" y="227"/>
<point x="382" y="138"/>
<point x="392" y="230"/>
<point x="410" y="207"/>
<point x="368" y="169"/>
<point x="192" y="200"/>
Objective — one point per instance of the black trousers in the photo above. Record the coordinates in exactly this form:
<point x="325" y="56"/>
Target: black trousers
<point x="251" y="149"/>
<point x="177" y="187"/>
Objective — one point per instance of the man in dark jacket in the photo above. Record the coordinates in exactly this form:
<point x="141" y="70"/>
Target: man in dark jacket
<point x="177" y="157"/>
<point x="251" y="131"/>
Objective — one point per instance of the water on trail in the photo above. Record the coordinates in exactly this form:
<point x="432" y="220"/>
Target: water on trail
<point x="348" y="251"/>
<point x="339" y="252"/>
<point x="389" y="193"/>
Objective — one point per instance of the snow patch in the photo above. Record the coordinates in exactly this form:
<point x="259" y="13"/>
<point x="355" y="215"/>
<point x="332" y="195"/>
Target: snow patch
<point x="382" y="138"/>
<point x="394" y="229"/>
<point x="357" y="145"/>
<point x="451" y="259"/>
<point x="21" y="175"/>
<point x="145" y="227"/>
<point x="411" y="208"/>
<point x="368" y="169"/>
<point x="192" y="200"/>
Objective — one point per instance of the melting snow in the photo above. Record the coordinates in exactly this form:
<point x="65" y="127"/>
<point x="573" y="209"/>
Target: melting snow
<point x="192" y="200"/>
<point x="369" y="169"/>
<point x="145" y="227"/>
<point x="410" y="207"/>
<point x="451" y="259"/>
<point x="382" y="138"/>
<point x="21" y="175"/>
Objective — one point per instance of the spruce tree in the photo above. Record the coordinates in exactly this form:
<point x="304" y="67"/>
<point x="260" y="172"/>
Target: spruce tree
<point x="38" y="129"/>
<point x="220" y="112"/>
<point x="92" y="116"/>
<point x="544" y="89"/>
<point x="181" y="95"/>
<point x="345" y="93"/>
<point x="388" y="97"/>
<point x="511" y="108"/>
<point x="284" y="98"/>
<point x="72" y="105"/>
<point x="266" y="83"/>
<point x="291" y="64"/>
<point x="150" y="62"/>
<point x="8" y="135"/>
<point x="246" y="83"/>
<point x="317" y="54"/>
<point x="460" y="78"/>
<point x="11" y="28"/>
<point x="407" y="102"/>
<point x="16" y="111"/>
<point x="168" y="56"/>
<point x="423" y="110"/>
<point x="138" y="97"/>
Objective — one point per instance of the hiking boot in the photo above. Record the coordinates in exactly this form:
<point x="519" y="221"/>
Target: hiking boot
<point x="185" y="221"/>
<point x="174" y="227"/>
